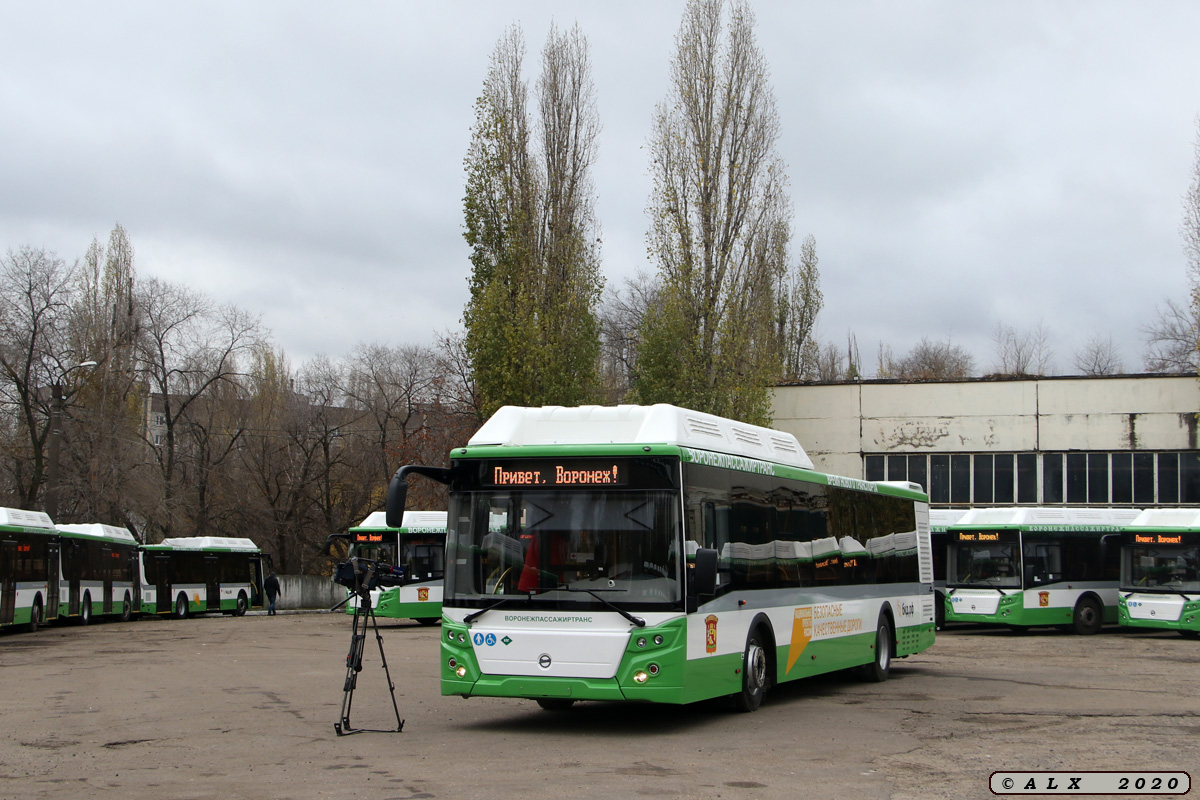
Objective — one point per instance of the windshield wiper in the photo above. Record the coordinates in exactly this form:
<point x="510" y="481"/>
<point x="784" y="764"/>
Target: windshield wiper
<point x="469" y="618"/>
<point x="637" y="621"/>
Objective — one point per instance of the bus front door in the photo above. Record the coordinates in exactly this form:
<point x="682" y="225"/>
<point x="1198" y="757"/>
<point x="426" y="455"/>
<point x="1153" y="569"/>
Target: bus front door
<point x="52" y="581"/>
<point x="106" y="574"/>
<point x="162" y="584"/>
<point x="8" y="591"/>
<point x="72" y="568"/>
<point x="212" y="583"/>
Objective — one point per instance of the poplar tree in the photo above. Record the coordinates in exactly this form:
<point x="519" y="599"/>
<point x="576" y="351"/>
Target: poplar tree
<point x="719" y="224"/>
<point x="532" y="334"/>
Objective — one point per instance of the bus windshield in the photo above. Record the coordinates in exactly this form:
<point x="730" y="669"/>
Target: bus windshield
<point x="557" y="549"/>
<point x="985" y="564"/>
<point x="1169" y="568"/>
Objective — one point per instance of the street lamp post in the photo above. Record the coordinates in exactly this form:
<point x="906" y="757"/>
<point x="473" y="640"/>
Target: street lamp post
<point x="55" y="443"/>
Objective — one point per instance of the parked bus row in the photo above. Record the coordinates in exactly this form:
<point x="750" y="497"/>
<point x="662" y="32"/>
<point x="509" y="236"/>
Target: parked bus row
<point x="54" y="572"/>
<point x="1074" y="568"/>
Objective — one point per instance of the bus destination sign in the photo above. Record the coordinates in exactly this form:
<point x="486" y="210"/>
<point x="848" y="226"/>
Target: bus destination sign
<point x="552" y="474"/>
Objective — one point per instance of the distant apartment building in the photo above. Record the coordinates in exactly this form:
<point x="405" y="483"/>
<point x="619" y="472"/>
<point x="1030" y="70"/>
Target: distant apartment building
<point x="1081" y="441"/>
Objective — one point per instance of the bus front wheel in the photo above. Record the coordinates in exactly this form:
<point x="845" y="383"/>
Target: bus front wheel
<point x="1088" y="616"/>
<point x="242" y="603"/>
<point x="754" y="674"/>
<point x="181" y="607"/>
<point x="879" y="668"/>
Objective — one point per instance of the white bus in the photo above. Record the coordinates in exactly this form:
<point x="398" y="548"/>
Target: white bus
<point x="664" y="555"/>
<point x="198" y="574"/>
<point x="1160" y="571"/>
<point x="98" y="572"/>
<point x="28" y="568"/>
<point x="418" y="547"/>
<point x="1028" y="567"/>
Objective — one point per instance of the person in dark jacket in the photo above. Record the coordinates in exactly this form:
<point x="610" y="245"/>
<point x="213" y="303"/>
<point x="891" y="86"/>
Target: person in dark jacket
<point x="273" y="589"/>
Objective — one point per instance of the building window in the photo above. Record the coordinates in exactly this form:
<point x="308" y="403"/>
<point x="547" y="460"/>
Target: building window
<point x="1083" y="479"/>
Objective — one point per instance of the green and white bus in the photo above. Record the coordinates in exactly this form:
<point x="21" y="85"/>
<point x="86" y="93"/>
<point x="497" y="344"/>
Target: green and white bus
<point x="28" y="568"/>
<point x="98" y="572"/>
<point x="1160" y="571"/>
<point x="199" y="574"/>
<point x="1030" y="567"/>
<point x="664" y="555"/>
<point x="418" y="546"/>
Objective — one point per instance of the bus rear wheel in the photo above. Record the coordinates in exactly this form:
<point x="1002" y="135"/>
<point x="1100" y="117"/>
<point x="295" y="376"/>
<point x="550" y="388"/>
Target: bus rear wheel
<point x="1088" y="616"/>
<point x="35" y="615"/>
<point x="85" y="610"/>
<point x="181" y="607"/>
<point x="881" y="666"/>
<point x="126" y="609"/>
<point x="754" y="674"/>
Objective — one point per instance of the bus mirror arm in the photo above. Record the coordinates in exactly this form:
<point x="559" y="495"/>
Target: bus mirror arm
<point x="397" y="493"/>
<point x="330" y="539"/>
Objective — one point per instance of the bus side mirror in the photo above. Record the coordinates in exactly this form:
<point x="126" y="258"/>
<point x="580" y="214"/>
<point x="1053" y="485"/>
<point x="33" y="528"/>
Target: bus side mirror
<point x="397" y="496"/>
<point x="704" y="573"/>
<point x="397" y="492"/>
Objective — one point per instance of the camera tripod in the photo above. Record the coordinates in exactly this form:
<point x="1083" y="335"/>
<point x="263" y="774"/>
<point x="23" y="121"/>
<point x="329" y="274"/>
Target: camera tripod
<point x="364" y="611"/>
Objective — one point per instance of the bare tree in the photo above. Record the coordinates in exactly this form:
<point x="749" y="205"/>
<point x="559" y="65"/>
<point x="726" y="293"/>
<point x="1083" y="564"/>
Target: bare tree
<point x="1099" y="356"/>
<point x="928" y="361"/>
<point x="800" y="301"/>
<point x="392" y="386"/>
<point x="1022" y="352"/>
<point x="35" y="296"/>
<point x="621" y="315"/>
<point x="1171" y="340"/>
<point x="186" y="346"/>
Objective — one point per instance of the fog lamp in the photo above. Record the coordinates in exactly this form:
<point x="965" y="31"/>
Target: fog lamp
<point x="640" y="677"/>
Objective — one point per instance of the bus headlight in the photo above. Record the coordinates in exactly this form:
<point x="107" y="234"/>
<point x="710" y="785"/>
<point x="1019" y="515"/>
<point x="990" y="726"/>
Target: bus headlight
<point x="641" y="642"/>
<point x="640" y="677"/>
<point x="461" y="672"/>
<point x="658" y="638"/>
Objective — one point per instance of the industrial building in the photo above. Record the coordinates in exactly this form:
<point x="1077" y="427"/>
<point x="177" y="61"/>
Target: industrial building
<point x="1128" y="440"/>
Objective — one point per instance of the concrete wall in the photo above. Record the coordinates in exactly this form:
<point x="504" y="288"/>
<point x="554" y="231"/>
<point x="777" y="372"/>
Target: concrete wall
<point x="837" y="424"/>
<point x="309" y="591"/>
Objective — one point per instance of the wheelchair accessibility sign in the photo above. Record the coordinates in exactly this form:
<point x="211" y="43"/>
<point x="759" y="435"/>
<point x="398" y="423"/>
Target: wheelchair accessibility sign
<point x="480" y="639"/>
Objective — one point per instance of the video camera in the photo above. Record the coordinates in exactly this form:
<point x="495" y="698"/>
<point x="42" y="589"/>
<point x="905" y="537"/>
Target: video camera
<point x="365" y="574"/>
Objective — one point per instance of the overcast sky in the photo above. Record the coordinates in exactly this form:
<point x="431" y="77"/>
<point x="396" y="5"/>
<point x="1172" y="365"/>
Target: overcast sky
<point x="960" y="164"/>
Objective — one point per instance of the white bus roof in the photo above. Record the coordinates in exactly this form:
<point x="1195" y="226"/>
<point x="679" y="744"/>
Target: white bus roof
<point x="20" y="518"/>
<point x="209" y="542"/>
<point x="97" y="530"/>
<point x="656" y="424"/>
<point x="945" y="517"/>
<point x="412" y="519"/>
<point x="1027" y="515"/>
<point x="1168" y="518"/>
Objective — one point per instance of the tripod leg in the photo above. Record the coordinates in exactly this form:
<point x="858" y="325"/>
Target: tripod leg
<point x="387" y="673"/>
<point x="353" y="667"/>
